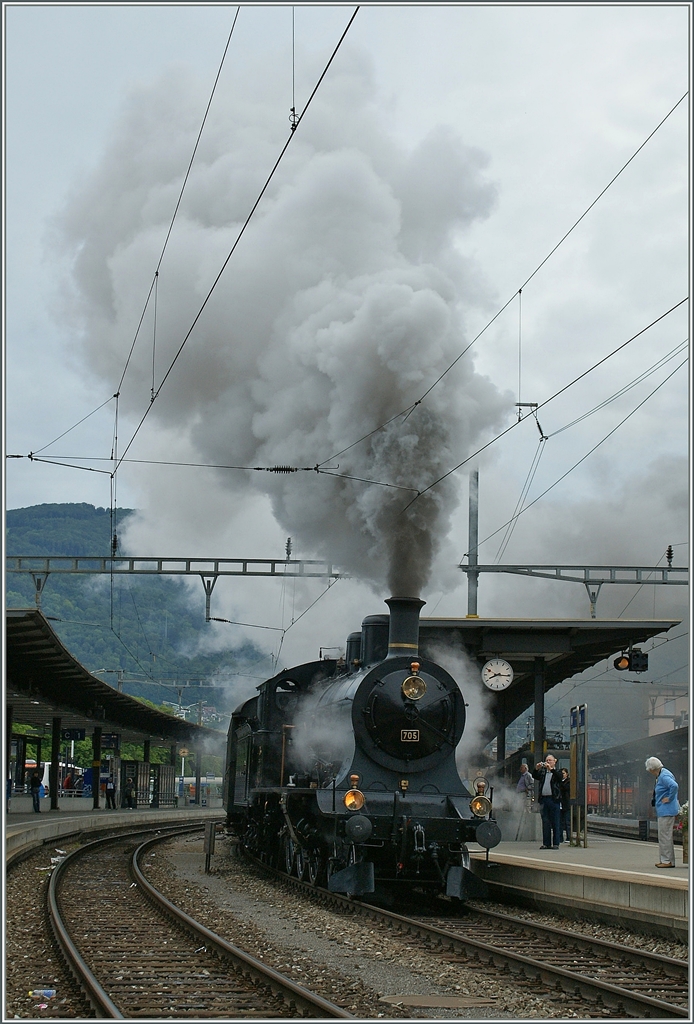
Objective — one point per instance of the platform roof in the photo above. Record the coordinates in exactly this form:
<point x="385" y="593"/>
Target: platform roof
<point x="671" y="747"/>
<point x="43" y="680"/>
<point x="567" y="646"/>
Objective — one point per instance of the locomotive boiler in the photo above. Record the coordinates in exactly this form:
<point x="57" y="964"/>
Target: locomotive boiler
<point x="343" y="772"/>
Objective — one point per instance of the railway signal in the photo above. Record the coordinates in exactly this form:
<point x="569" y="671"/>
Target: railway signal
<point x="634" y="660"/>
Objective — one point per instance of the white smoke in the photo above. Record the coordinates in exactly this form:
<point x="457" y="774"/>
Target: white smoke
<point x="478" y="703"/>
<point x="323" y="734"/>
<point x="342" y="304"/>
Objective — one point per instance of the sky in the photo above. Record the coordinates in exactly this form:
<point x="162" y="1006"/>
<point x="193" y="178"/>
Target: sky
<point x="446" y="153"/>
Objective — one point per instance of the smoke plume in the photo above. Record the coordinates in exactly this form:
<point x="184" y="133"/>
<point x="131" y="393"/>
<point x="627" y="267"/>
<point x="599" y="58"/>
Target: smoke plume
<point x="478" y="703"/>
<point x="341" y="306"/>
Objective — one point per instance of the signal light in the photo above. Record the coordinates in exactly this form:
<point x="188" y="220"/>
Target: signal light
<point x="638" y="661"/>
<point x="634" y="661"/>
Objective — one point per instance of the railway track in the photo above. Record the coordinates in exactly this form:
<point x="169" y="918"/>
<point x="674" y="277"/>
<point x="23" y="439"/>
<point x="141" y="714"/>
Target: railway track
<point x="619" y="830"/>
<point x="593" y="973"/>
<point x="136" y="955"/>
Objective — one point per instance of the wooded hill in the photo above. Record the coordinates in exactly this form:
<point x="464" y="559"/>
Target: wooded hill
<point x="149" y="627"/>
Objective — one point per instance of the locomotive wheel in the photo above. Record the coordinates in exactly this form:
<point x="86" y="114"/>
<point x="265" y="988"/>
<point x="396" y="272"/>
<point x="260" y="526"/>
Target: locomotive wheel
<point x="288" y="853"/>
<point x="315" y="869"/>
<point x="301" y="863"/>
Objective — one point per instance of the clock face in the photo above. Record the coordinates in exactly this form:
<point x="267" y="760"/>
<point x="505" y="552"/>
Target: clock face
<point x="497" y="674"/>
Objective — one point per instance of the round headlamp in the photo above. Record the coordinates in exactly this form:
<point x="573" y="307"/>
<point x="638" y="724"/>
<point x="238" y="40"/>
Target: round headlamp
<point x="480" y="806"/>
<point x="414" y="687"/>
<point x="354" y="799"/>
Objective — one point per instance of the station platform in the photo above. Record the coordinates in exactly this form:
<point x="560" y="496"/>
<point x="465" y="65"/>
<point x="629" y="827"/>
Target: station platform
<point x="611" y="880"/>
<point x="25" y="830"/>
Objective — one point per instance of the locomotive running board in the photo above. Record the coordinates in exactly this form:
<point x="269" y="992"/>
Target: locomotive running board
<point x="356" y="880"/>
<point x="462" y="884"/>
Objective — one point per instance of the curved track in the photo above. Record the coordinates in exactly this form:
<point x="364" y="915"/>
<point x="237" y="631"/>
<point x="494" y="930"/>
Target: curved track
<point x="137" y="955"/>
<point x="626" y="981"/>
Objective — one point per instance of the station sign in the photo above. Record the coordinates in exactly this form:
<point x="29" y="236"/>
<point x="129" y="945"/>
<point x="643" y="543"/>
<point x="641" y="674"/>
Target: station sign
<point x="110" y="741"/>
<point x="72" y="734"/>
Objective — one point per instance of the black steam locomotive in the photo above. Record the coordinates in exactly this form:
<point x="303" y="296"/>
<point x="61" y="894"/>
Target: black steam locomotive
<point x="344" y="771"/>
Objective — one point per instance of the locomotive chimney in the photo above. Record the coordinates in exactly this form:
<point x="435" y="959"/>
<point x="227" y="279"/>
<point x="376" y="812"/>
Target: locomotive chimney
<point x="403" y="633"/>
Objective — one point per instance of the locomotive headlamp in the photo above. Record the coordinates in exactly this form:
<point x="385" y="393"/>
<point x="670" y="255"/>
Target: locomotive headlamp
<point x="414" y="687"/>
<point x="354" y="800"/>
<point x="480" y="806"/>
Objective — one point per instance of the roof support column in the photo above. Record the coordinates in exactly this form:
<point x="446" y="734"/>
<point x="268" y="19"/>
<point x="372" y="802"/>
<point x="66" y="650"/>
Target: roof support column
<point x="96" y="766"/>
<point x="146" y="753"/>
<point x="22" y="761"/>
<point x="539" y="714"/>
<point x="9" y="719"/>
<point x="172" y="754"/>
<point x="501" y="735"/>
<point x="54" y="774"/>
<point x="198" y="759"/>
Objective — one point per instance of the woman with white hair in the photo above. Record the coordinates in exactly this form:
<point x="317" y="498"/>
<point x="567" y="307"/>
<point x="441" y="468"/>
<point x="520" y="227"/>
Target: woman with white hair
<point x="666" y="808"/>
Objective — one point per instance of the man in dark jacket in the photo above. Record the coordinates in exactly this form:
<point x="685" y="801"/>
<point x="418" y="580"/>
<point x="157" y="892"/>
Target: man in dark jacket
<point x="35" y="787"/>
<point x="549" y="778"/>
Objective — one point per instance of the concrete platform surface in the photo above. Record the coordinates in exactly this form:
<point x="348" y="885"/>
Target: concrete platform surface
<point x="27" y="830"/>
<point x="613" y="880"/>
<point x="605" y="857"/>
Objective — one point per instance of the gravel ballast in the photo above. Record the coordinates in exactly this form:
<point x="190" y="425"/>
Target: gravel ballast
<point x="347" y="959"/>
<point x="32" y="960"/>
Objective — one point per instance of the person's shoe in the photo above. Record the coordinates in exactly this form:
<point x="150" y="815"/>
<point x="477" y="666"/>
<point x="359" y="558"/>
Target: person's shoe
<point x="555" y="847"/>
<point x="665" y="864"/>
<point x="545" y="847"/>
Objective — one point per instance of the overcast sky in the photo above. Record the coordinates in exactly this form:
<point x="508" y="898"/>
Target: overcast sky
<point x="447" y="152"/>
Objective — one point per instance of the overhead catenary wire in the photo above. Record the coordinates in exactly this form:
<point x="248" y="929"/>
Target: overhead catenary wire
<point x="178" y="201"/>
<point x="538" y="452"/>
<point x="589" y="453"/>
<point x="154" y="333"/>
<point x="307" y="469"/>
<point x="282" y="470"/>
<point x="639" y="589"/>
<point x="520" y="326"/>
<point x="239" y="236"/>
<point x="74" y="425"/>
<point x="161" y="255"/>
<point x="406" y="412"/>
<point x="523" y="495"/>
<point x="304" y="612"/>
<point x="541" y="405"/>
<point x="411" y="407"/>
<point x="672" y="354"/>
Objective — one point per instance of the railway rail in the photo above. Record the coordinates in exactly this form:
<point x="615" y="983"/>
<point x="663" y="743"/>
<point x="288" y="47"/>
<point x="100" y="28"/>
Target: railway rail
<point x="137" y="955"/>
<point x="625" y="981"/>
<point x="622" y="830"/>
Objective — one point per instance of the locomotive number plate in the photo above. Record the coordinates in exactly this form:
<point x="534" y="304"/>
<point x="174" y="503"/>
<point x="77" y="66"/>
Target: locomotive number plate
<point x="409" y="735"/>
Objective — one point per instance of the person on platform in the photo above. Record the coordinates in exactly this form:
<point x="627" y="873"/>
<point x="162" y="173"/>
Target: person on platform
<point x="129" y="794"/>
<point x="110" y="795"/>
<point x="666" y="808"/>
<point x="526" y="783"/>
<point x="565" y="788"/>
<point x="35" y="788"/>
<point x="549" y="778"/>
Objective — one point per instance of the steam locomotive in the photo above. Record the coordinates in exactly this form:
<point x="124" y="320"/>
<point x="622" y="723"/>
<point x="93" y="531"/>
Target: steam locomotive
<point x="343" y="772"/>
